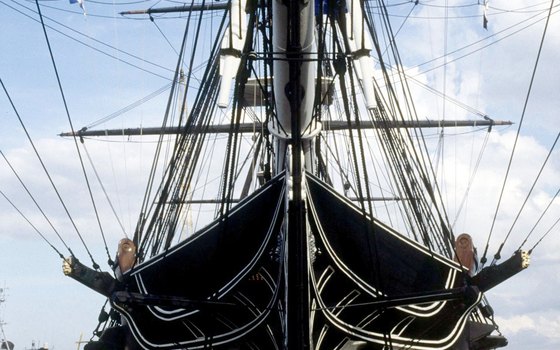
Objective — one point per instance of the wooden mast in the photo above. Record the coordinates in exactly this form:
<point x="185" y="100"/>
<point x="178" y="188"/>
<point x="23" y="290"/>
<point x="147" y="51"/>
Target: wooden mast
<point x="297" y="271"/>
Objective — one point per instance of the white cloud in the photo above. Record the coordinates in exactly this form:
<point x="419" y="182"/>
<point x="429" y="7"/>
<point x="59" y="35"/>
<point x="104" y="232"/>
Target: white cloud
<point x="531" y="331"/>
<point x="516" y="324"/>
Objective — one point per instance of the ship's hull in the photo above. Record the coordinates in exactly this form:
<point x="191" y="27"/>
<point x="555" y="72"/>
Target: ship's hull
<point x="226" y="288"/>
<point x="219" y="287"/>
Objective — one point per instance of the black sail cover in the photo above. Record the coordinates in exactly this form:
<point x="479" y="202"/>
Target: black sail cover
<point x="368" y="282"/>
<point x="216" y="287"/>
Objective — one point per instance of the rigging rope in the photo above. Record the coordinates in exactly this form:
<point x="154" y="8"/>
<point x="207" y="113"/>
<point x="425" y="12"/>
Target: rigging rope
<point x="340" y="68"/>
<point x="471" y="177"/>
<point x="189" y="146"/>
<point x="33" y="226"/>
<point x="93" y="39"/>
<point x="479" y="41"/>
<point x="543" y="236"/>
<point x="162" y="34"/>
<point x="142" y="242"/>
<point x="539" y="220"/>
<point x="345" y="69"/>
<point x="129" y="107"/>
<point x="38" y="206"/>
<point x="496" y="257"/>
<point x="410" y="165"/>
<point x="46" y="172"/>
<point x="233" y="144"/>
<point x="165" y="210"/>
<point x="95" y="265"/>
<point x="103" y="189"/>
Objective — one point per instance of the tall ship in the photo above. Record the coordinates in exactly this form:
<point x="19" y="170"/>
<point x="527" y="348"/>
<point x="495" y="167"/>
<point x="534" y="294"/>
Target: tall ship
<point x="290" y="132"/>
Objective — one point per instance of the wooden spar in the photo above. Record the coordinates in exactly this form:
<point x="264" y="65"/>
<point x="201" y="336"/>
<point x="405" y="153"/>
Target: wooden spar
<point x="258" y="127"/>
<point x="184" y="8"/>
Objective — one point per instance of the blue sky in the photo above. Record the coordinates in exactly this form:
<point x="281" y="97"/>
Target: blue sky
<point x="100" y="76"/>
